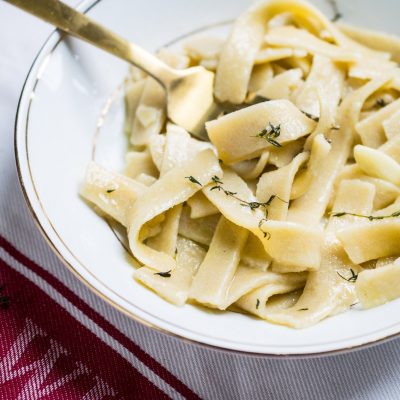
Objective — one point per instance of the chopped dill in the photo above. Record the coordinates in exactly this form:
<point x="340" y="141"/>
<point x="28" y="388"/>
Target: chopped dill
<point x="266" y="234"/>
<point x="253" y="205"/>
<point x="336" y="17"/>
<point x="270" y="133"/>
<point x="193" y="180"/>
<point x="381" y="102"/>
<point x="352" y="278"/>
<point x="369" y="217"/>
<point x="164" y="274"/>
<point x="313" y="117"/>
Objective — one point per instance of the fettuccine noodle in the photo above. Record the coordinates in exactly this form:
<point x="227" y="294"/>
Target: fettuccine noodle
<point x="292" y="211"/>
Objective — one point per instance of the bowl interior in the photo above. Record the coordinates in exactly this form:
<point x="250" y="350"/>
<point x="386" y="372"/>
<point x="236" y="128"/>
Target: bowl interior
<point x="71" y="85"/>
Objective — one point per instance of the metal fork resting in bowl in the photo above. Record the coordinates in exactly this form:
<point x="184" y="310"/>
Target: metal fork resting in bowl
<point x="190" y="100"/>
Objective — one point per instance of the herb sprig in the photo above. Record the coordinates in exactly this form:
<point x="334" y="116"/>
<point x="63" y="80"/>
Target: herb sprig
<point x="164" y="274"/>
<point x="369" y="217"/>
<point x="352" y="278"/>
<point x="337" y="14"/>
<point x="4" y="300"/>
<point x="313" y="117"/>
<point x="265" y="233"/>
<point x="193" y="180"/>
<point x="336" y="17"/>
<point x="253" y="205"/>
<point x="381" y="102"/>
<point x="270" y="133"/>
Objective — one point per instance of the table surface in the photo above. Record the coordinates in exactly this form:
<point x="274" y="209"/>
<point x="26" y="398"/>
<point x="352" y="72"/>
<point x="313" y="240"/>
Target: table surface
<point x="107" y="355"/>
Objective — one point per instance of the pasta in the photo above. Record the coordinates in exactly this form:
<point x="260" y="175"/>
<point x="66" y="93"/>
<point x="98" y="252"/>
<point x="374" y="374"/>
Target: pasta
<point x="291" y="211"/>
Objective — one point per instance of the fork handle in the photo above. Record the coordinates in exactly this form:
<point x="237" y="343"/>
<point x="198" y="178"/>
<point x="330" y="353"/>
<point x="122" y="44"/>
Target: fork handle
<point x="77" y="24"/>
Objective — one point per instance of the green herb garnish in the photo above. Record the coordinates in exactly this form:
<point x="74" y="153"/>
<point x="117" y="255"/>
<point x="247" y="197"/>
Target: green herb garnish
<point x="253" y="205"/>
<point x="336" y="17"/>
<point x="216" y="179"/>
<point x="313" y="117"/>
<point x="353" y="277"/>
<point x="381" y="102"/>
<point x="337" y="14"/>
<point x="369" y="217"/>
<point x="257" y="304"/>
<point x="260" y="224"/>
<point x="193" y="180"/>
<point x="110" y="190"/>
<point x="302" y="309"/>
<point x="164" y="274"/>
<point x="270" y="133"/>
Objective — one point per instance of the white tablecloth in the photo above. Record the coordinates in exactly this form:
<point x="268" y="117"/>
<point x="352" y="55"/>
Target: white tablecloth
<point x="187" y="370"/>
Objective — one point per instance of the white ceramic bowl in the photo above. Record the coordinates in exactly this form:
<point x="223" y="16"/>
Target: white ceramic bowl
<point x="68" y="87"/>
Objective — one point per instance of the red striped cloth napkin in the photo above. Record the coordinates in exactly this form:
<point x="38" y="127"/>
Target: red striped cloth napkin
<point x="55" y="345"/>
<point x="58" y="341"/>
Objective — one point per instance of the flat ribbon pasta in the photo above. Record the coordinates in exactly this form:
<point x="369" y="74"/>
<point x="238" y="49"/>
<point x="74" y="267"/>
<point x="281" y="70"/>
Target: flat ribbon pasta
<point x="375" y="40"/>
<point x="251" y="169"/>
<point x="371" y="130"/>
<point x="296" y="38"/>
<point x="317" y="196"/>
<point x="326" y="291"/>
<point x="292" y="210"/>
<point x="279" y="183"/>
<point x="200" y="206"/>
<point x="319" y="151"/>
<point x="150" y="113"/>
<point x="172" y="189"/>
<point x="239" y="52"/>
<point x="392" y="148"/>
<point x="254" y="254"/>
<point x="283" y="85"/>
<point x="255" y="301"/>
<point x="235" y="134"/>
<point x="138" y="163"/>
<point x="377" y="164"/>
<point x="378" y="286"/>
<point x="175" y="288"/>
<point x="111" y="192"/>
<point x="385" y="192"/>
<point x="321" y="93"/>
<point x="371" y="240"/>
<point x="286" y="242"/>
<point x="201" y="229"/>
<point x="179" y="147"/>
<point x="215" y="273"/>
